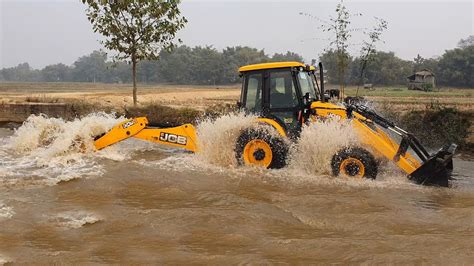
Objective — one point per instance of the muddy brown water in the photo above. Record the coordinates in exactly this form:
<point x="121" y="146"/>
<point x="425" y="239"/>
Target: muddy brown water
<point x="154" y="205"/>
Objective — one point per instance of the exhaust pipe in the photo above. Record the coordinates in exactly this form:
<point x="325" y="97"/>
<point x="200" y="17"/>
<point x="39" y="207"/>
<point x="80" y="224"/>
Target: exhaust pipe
<point x="321" y="79"/>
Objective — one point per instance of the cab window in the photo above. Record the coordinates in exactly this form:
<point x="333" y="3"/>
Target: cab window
<point x="282" y="90"/>
<point x="253" y="100"/>
<point x="306" y="84"/>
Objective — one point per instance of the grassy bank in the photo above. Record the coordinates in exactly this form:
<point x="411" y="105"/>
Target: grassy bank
<point x="439" y="116"/>
<point x="435" y="125"/>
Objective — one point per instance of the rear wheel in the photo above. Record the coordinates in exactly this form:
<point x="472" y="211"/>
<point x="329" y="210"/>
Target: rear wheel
<point x="354" y="162"/>
<point x="261" y="147"/>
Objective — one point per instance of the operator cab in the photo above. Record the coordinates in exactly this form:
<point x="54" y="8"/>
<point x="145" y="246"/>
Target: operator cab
<point x="280" y="90"/>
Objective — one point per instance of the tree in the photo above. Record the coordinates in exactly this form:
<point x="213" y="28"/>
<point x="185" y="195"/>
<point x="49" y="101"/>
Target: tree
<point x="457" y="67"/>
<point x="368" y="48"/>
<point x="56" y="73"/>
<point x="289" y="56"/>
<point x="238" y="56"/>
<point x="22" y="72"/>
<point x="339" y="26"/>
<point x="420" y="63"/>
<point x="136" y="30"/>
<point x="90" y="68"/>
<point x="388" y="69"/>
<point x="330" y="59"/>
<point x="463" y="43"/>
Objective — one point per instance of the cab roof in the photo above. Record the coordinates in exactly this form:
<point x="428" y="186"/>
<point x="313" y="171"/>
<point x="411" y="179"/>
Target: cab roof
<point x="270" y="65"/>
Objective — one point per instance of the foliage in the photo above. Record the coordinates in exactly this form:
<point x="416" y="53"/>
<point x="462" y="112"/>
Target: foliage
<point x="136" y="30"/>
<point x="420" y="63"/>
<point x="456" y="67"/>
<point x="331" y="64"/>
<point x="58" y="72"/>
<point x="368" y="47"/>
<point x="437" y="124"/>
<point x="289" y="56"/>
<point x="22" y="72"/>
<point x="206" y="65"/>
<point x="339" y="26"/>
<point x="340" y="41"/>
<point x="91" y="67"/>
<point x="469" y="41"/>
<point x="387" y="69"/>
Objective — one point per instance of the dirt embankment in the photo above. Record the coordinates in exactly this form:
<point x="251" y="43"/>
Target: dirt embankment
<point x="182" y="104"/>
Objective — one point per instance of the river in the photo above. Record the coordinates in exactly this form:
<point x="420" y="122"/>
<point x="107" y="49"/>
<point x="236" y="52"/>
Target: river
<point x="142" y="203"/>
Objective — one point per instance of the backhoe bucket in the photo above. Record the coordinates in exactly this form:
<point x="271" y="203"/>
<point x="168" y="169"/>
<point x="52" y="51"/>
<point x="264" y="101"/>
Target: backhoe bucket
<point x="436" y="171"/>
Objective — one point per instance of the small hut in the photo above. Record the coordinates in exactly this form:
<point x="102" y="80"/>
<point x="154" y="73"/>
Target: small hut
<point x="421" y="80"/>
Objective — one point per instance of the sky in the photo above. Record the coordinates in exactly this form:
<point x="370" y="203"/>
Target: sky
<point x="48" y="32"/>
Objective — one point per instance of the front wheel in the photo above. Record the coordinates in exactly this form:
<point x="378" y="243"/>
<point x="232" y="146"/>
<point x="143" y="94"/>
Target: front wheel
<point x="354" y="162"/>
<point x="259" y="147"/>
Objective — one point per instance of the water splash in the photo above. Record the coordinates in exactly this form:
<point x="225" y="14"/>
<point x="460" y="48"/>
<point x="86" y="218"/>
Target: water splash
<point x="53" y="137"/>
<point x="317" y="144"/>
<point x="217" y="138"/>
<point x="50" y="150"/>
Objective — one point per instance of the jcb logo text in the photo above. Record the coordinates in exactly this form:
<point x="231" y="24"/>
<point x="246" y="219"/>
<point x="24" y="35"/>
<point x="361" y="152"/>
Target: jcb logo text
<point x="172" y="138"/>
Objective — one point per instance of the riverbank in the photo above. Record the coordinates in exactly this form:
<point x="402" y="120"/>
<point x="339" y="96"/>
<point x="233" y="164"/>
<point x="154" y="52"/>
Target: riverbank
<point x="447" y="114"/>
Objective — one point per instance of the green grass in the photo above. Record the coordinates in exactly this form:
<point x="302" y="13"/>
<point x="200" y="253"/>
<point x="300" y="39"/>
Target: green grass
<point x="401" y="91"/>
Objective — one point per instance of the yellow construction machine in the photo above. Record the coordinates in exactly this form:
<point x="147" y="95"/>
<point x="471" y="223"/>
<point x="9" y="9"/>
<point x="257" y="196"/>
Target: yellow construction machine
<point x="286" y="96"/>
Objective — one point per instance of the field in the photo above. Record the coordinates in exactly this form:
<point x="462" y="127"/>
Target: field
<point x="200" y="97"/>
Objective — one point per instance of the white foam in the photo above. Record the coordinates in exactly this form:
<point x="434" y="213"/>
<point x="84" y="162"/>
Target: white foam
<point x="317" y="144"/>
<point x="6" y="211"/>
<point x="309" y="160"/>
<point x="50" y="150"/>
<point x="75" y="219"/>
<point x="217" y="138"/>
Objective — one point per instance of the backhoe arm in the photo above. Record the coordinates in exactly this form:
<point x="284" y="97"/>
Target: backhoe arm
<point x="183" y="136"/>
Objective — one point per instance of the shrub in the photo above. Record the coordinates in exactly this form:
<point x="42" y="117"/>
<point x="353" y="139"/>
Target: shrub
<point x="438" y="125"/>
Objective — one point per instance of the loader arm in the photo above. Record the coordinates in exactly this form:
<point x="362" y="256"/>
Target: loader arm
<point x="424" y="168"/>
<point x="183" y="136"/>
<point x="428" y="169"/>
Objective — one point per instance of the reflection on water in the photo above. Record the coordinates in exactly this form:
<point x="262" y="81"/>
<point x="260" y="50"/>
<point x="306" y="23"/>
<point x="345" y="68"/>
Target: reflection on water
<point x="143" y="204"/>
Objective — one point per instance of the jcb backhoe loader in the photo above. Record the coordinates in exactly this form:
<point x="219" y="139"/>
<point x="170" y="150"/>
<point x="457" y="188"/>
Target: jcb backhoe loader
<point x="288" y="95"/>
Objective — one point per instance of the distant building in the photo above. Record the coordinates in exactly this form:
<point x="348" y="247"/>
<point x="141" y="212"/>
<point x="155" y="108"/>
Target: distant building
<point x="422" y="80"/>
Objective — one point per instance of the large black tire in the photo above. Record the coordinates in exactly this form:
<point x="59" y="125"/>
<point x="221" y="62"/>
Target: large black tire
<point x="277" y="148"/>
<point x="354" y="162"/>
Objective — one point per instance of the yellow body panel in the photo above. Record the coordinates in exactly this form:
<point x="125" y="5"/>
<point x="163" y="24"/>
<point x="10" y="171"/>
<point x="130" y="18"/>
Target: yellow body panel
<point x="270" y="65"/>
<point x="376" y="140"/>
<point x="274" y="124"/>
<point x="180" y="137"/>
<point x="383" y="145"/>
<point x="121" y="131"/>
<point x="184" y="136"/>
<point x="329" y="109"/>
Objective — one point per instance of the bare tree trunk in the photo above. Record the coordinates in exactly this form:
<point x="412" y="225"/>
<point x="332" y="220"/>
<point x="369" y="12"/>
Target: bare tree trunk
<point x="134" y="77"/>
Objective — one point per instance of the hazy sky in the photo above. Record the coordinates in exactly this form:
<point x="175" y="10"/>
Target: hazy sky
<point x="48" y="32"/>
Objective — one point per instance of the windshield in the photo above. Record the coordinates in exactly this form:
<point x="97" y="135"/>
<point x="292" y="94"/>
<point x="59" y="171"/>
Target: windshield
<point x="306" y="84"/>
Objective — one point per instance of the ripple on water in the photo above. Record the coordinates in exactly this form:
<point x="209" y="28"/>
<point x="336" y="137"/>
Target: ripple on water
<point x="75" y="219"/>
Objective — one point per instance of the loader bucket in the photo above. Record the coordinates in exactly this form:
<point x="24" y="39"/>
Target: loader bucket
<point x="436" y="171"/>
